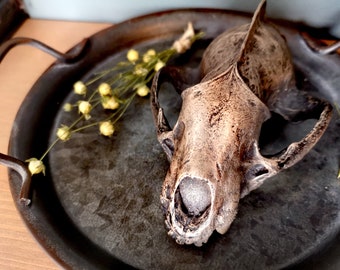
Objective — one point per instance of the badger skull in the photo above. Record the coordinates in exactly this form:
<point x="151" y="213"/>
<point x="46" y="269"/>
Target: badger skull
<point x="213" y="147"/>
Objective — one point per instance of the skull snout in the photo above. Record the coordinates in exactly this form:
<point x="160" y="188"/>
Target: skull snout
<point x="189" y="218"/>
<point x="195" y="195"/>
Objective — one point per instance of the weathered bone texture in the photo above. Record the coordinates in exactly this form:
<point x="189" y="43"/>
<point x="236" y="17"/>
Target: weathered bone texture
<point x="213" y="148"/>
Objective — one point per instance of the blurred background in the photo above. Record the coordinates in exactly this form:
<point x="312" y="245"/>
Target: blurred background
<point x="316" y="13"/>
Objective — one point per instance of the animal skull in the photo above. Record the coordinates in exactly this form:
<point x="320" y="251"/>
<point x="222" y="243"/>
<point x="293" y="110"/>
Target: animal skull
<point x="213" y="148"/>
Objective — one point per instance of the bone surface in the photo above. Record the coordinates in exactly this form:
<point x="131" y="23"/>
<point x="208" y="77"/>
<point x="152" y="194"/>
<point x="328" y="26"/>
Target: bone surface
<point x="215" y="160"/>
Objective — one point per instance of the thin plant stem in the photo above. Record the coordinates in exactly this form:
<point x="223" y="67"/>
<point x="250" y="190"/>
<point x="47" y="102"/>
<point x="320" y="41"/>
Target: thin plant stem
<point x="49" y="148"/>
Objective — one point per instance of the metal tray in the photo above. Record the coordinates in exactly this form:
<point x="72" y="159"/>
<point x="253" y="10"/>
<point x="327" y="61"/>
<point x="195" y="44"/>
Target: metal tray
<point x="98" y="206"/>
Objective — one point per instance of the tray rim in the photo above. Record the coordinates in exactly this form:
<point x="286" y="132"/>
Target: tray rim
<point x="12" y="175"/>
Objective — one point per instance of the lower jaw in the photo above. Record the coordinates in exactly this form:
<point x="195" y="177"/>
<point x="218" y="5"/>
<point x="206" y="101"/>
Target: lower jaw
<point x="189" y="234"/>
<point x="188" y="240"/>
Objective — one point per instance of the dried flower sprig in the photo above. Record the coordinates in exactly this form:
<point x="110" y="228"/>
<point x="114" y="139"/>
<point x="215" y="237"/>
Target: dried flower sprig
<point x="126" y="80"/>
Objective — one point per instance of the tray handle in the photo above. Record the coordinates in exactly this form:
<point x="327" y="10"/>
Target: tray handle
<point x="316" y="47"/>
<point x="71" y="56"/>
<point x="21" y="168"/>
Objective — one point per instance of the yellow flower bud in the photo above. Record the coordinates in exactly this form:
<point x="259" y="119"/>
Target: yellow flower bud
<point x="85" y="108"/>
<point x="140" y="70"/>
<point x="79" y="88"/>
<point x="132" y="55"/>
<point x="159" y="65"/>
<point x="35" y="166"/>
<point x="104" y="89"/>
<point x="63" y="133"/>
<point x="149" y="55"/>
<point x="151" y="52"/>
<point x="67" y="107"/>
<point x="106" y="128"/>
<point x="110" y="103"/>
<point x="143" y="90"/>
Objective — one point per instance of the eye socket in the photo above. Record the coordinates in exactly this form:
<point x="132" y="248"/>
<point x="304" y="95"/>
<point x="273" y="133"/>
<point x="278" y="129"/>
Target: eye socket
<point x="256" y="171"/>
<point x="169" y="144"/>
<point x="168" y="147"/>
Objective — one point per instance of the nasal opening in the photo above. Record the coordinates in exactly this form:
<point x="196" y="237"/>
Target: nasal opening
<point x="196" y="196"/>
